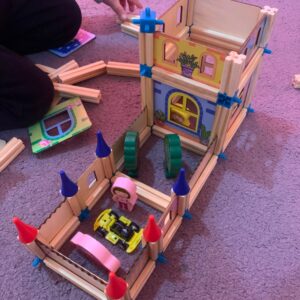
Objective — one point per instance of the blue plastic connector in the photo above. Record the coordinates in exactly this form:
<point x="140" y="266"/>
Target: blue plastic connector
<point x="147" y="21"/>
<point x="227" y="101"/>
<point x="85" y="213"/>
<point x="68" y="187"/>
<point x="36" y="262"/>
<point x="146" y="71"/>
<point x="267" y="51"/>
<point x="102" y="149"/>
<point x="223" y="156"/>
<point x="187" y="215"/>
<point x="181" y="187"/>
<point x="161" y="258"/>
<point x="250" y="109"/>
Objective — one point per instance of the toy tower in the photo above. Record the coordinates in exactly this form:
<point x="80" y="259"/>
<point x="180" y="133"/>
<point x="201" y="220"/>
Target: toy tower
<point x="199" y="69"/>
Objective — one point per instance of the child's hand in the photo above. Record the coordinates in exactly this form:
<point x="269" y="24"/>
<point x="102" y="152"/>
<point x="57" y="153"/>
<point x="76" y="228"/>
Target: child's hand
<point x="119" y="6"/>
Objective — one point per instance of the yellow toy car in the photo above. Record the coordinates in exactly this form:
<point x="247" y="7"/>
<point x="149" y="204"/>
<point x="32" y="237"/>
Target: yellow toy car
<point x="118" y="230"/>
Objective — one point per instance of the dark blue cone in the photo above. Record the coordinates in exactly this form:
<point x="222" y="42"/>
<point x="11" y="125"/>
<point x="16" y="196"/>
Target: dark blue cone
<point x="181" y="187"/>
<point x="68" y="187"/>
<point x="102" y="149"/>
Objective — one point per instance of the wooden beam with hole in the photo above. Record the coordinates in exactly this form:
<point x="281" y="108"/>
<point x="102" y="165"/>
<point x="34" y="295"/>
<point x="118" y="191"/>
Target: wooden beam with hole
<point x="123" y="69"/>
<point x="83" y="73"/>
<point x="186" y="84"/>
<point x="185" y="142"/>
<point x="86" y="94"/>
<point x="10" y="151"/>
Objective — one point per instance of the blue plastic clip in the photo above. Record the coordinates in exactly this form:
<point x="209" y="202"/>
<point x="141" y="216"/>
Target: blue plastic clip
<point x="223" y="156"/>
<point x="147" y="21"/>
<point x="36" y="262"/>
<point x="146" y="71"/>
<point x="267" y="51"/>
<point x="161" y="258"/>
<point x="187" y="215"/>
<point x="250" y="109"/>
<point x="85" y="213"/>
<point x="227" y="101"/>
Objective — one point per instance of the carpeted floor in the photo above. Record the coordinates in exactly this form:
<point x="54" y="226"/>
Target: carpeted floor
<point x="243" y="240"/>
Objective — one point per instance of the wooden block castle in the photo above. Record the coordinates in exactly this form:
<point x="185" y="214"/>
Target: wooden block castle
<point x="199" y="64"/>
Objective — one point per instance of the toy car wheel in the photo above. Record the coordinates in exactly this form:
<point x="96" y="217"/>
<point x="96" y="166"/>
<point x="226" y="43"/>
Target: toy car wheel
<point x="102" y="232"/>
<point x="122" y="245"/>
<point x="135" y="227"/>
<point x="112" y="213"/>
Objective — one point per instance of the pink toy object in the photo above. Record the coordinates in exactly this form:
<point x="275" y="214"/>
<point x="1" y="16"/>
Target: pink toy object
<point x="124" y="193"/>
<point x="95" y="249"/>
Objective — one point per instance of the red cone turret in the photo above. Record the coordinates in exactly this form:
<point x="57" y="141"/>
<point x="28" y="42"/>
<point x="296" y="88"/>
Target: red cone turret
<point x="116" y="287"/>
<point x="152" y="232"/>
<point x="27" y="233"/>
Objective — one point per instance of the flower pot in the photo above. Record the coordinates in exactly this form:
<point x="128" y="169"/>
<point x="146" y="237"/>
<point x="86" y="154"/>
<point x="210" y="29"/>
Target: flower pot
<point x="187" y="71"/>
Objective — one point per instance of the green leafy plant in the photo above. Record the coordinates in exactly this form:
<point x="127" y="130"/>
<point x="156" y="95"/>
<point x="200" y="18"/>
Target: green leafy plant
<point x="204" y="134"/>
<point x="188" y="60"/>
<point x="160" y="116"/>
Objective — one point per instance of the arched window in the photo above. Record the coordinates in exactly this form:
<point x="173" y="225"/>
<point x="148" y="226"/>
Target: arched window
<point x="208" y="65"/>
<point x="59" y="124"/>
<point x="170" y="52"/>
<point x="183" y="110"/>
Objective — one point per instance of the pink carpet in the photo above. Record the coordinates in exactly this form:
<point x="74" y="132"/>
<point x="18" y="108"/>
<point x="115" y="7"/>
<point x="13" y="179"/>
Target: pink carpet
<point x="243" y="240"/>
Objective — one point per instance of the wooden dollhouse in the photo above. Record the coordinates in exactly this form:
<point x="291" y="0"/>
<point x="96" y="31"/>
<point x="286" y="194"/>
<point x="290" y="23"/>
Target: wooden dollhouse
<point x="199" y="67"/>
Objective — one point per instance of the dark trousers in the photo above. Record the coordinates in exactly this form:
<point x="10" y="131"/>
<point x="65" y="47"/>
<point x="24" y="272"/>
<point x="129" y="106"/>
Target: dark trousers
<point x="29" y="26"/>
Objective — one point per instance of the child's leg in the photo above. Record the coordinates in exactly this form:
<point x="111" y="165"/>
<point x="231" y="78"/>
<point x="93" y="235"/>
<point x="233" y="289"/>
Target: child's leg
<point x="37" y="25"/>
<point x="26" y="92"/>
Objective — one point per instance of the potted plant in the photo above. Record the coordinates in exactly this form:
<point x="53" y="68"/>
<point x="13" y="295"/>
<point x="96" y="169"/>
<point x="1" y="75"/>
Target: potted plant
<point x="160" y="117"/>
<point x="188" y="64"/>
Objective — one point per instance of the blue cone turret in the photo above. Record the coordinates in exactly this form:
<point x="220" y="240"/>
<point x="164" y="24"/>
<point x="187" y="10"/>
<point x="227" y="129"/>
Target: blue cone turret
<point x="68" y="187"/>
<point x="102" y="149"/>
<point x="181" y="187"/>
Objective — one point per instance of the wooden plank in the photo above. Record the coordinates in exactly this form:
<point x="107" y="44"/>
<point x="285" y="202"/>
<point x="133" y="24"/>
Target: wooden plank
<point x="194" y="192"/>
<point x="86" y="94"/>
<point x="185" y="142"/>
<point x="74" y="279"/>
<point x="149" y="100"/>
<point x="296" y="81"/>
<point x="71" y="65"/>
<point x="45" y="69"/>
<point x="142" y="279"/>
<point x="171" y="232"/>
<point x="63" y="235"/>
<point x="130" y="29"/>
<point x="183" y="83"/>
<point x="10" y="151"/>
<point x="235" y="126"/>
<point x="190" y="13"/>
<point x="227" y="17"/>
<point x="97" y="193"/>
<point x="250" y="69"/>
<point x="83" y="73"/>
<point x="123" y="69"/>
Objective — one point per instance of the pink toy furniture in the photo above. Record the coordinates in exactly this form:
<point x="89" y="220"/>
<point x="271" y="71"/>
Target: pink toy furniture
<point x="124" y="193"/>
<point x="95" y="249"/>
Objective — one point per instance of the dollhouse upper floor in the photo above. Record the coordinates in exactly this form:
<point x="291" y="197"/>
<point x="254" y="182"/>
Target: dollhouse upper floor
<point x="198" y="35"/>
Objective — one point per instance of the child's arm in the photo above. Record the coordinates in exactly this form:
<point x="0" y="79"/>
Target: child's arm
<point x="119" y="6"/>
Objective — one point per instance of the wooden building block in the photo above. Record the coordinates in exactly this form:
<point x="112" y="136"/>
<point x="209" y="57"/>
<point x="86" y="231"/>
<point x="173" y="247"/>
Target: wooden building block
<point x="45" y="69"/>
<point x="130" y="29"/>
<point x="296" y="81"/>
<point x="71" y="65"/>
<point x="83" y="73"/>
<point x="9" y="152"/>
<point x="123" y="69"/>
<point x="86" y="94"/>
